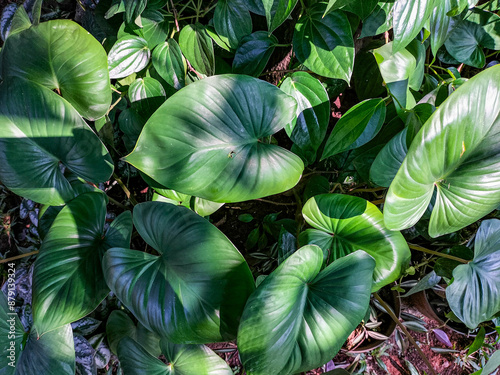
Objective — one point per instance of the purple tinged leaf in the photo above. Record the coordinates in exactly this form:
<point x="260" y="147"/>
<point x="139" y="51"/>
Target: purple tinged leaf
<point x="442" y="337"/>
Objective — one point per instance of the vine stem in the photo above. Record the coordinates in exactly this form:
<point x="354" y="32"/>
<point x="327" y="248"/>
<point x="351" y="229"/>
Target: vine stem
<point x="276" y="203"/>
<point x="424" y="250"/>
<point x="403" y="328"/>
<point x="19" y="257"/>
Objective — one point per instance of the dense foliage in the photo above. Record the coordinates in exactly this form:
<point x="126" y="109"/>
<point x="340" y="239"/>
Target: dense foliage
<point x="212" y="102"/>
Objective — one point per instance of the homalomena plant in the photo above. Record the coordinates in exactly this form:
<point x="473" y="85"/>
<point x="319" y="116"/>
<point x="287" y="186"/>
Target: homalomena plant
<point x="224" y="101"/>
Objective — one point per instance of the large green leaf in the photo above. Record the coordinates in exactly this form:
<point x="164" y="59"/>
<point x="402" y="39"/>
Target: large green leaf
<point x="170" y="64"/>
<point x="345" y="224"/>
<point x="253" y="53"/>
<point x="195" y="290"/>
<point x="474" y="294"/>
<point x="456" y="154"/>
<point x="232" y="21"/>
<point x="408" y="18"/>
<point x="133" y="10"/>
<point x="441" y="24"/>
<point x="308" y="129"/>
<point x="68" y="282"/>
<point x="52" y="353"/>
<point x="63" y="56"/>
<point x="120" y="325"/>
<point x="181" y="360"/>
<point x="39" y="130"/>
<point x="205" y="140"/>
<point x="299" y="316"/>
<point x="361" y="8"/>
<point x="198" y="48"/>
<point x="356" y="127"/>
<point x="325" y="44"/>
<point x="129" y="54"/>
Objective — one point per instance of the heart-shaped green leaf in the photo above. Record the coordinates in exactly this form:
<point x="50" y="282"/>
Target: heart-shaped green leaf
<point x="299" y="316"/>
<point x="456" y="154"/>
<point x="308" y="129"/>
<point x="325" y="44"/>
<point x="147" y="95"/>
<point x="232" y="21"/>
<point x="195" y="290"/>
<point x="129" y="54"/>
<point x="181" y="360"/>
<point x="39" y="130"/>
<point x="68" y="282"/>
<point x="361" y="8"/>
<point x="170" y="64"/>
<point x="52" y="353"/>
<point x="120" y="325"/>
<point x="155" y="27"/>
<point x="474" y="294"/>
<point x="345" y="224"/>
<point x="356" y="127"/>
<point x="277" y="11"/>
<point x="253" y="53"/>
<point x="379" y="20"/>
<point x="133" y="10"/>
<point x="408" y="18"/>
<point x="198" y="48"/>
<point x="65" y="57"/>
<point x="215" y="152"/>
<point x="401" y="71"/>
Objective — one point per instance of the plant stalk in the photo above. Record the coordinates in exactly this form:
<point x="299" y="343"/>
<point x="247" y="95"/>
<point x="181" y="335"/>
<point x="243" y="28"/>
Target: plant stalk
<point x="403" y="328"/>
<point x="125" y="189"/>
<point x="442" y="255"/>
<point x="19" y="257"/>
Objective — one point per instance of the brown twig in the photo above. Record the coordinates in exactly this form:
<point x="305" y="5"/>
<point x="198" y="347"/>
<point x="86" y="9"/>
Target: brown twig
<point x="19" y="257"/>
<point x="276" y="203"/>
<point x="437" y="253"/>
<point x="403" y="328"/>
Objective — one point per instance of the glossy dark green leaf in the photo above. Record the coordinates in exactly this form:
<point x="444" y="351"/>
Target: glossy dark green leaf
<point x="204" y="207"/>
<point x="401" y="71"/>
<point x="65" y="57"/>
<point x="325" y="44"/>
<point x="155" y="27"/>
<point x="408" y="18"/>
<point x="380" y="20"/>
<point x="368" y="82"/>
<point x="120" y="325"/>
<point x="308" y="129"/>
<point x="6" y="19"/>
<point x="474" y="293"/>
<point x="232" y="21"/>
<point x="444" y="266"/>
<point x="133" y="10"/>
<point x="316" y="185"/>
<point x="170" y="64"/>
<point x="214" y="152"/>
<point x="181" y="360"/>
<point x="455" y="153"/>
<point x="129" y="54"/>
<point x="356" y="127"/>
<point x="344" y="224"/>
<point x="198" y="48"/>
<point x="492" y="363"/>
<point x="478" y="341"/>
<point x="361" y="8"/>
<point x="38" y="131"/>
<point x="68" y="282"/>
<point x="441" y="24"/>
<point x="253" y="53"/>
<point x="146" y="95"/>
<point x="480" y="29"/>
<point x="299" y="316"/>
<point x="390" y="158"/>
<point x="195" y="290"/>
<point x="52" y="353"/>
<point x="131" y="123"/>
<point x="277" y="11"/>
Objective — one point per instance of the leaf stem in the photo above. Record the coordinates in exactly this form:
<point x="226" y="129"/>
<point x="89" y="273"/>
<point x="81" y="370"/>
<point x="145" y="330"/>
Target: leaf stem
<point x="403" y="328"/>
<point x="437" y="253"/>
<point x="19" y="257"/>
<point x="125" y="190"/>
<point x="276" y="203"/>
